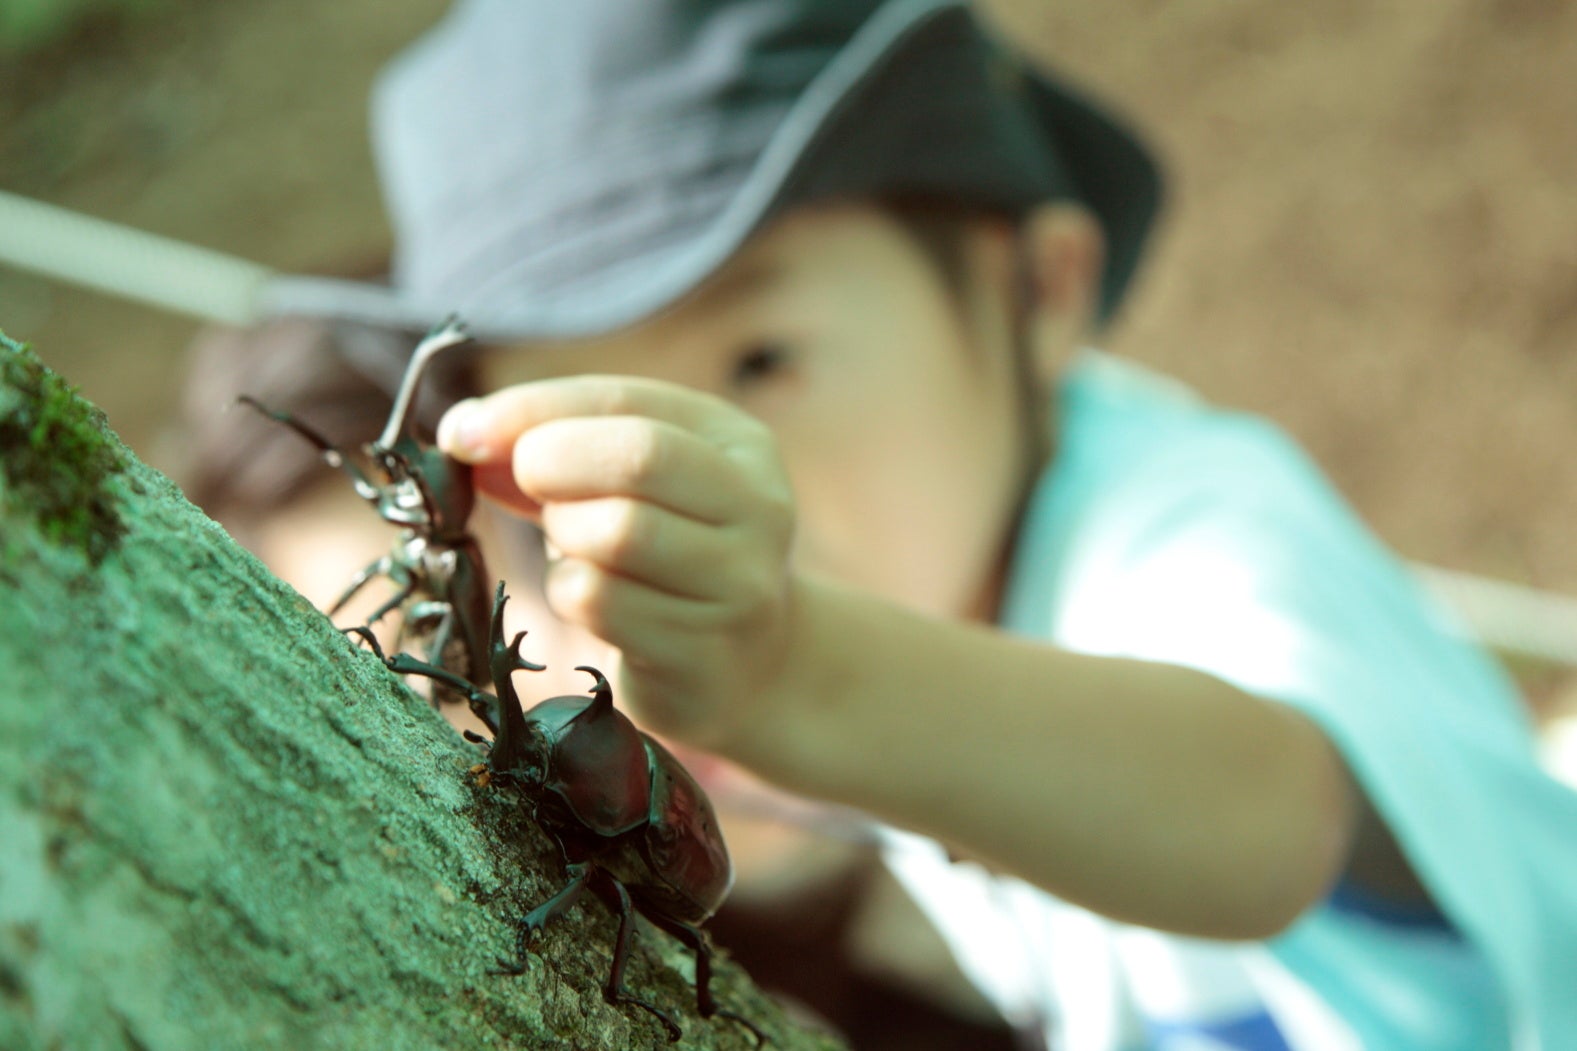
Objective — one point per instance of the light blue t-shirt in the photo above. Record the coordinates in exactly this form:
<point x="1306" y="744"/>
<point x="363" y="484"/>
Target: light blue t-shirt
<point x="1172" y="531"/>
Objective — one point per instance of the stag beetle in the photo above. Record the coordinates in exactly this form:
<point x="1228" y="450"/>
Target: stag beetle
<point x="631" y="823"/>
<point x="436" y="565"/>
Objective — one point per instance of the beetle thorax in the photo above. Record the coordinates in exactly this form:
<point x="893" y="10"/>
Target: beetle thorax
<point x="401" y="503"/>
<point x="411" y="548"/>
<point x="596" y="764"/>
<point x="436" y="562"/>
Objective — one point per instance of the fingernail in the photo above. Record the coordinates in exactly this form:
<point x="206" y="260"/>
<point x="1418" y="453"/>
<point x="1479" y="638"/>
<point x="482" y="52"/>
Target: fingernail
<point x="462" y="433"/>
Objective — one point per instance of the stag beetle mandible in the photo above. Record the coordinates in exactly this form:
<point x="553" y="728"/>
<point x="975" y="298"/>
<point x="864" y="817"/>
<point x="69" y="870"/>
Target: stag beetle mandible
<point x="436" y="565"/>
<point x="631" y="823"/>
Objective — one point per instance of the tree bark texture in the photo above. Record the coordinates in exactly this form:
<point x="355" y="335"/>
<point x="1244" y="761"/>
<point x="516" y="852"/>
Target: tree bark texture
<point x="224" y="826"/>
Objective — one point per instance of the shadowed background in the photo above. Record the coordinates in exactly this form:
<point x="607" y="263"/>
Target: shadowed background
<point x="1372" y="235"/>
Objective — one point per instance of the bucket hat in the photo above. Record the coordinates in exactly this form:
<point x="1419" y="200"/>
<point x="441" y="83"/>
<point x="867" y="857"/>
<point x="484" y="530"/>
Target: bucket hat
<point x="558" y="169"/>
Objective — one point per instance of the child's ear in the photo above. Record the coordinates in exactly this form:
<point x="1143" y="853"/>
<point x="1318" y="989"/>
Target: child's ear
<point x="1063" y="253"/>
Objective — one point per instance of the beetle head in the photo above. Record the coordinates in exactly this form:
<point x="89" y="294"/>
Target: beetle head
<point x="524" y="762"/>
<point x="402" y="499"/>
<point x="426" y="489"/>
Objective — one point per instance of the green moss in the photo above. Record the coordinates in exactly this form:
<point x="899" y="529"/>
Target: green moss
<point x="57" y="456"/>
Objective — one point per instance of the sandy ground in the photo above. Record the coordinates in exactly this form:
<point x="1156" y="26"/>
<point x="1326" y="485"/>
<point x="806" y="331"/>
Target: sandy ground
<point x="1372" y="235"/>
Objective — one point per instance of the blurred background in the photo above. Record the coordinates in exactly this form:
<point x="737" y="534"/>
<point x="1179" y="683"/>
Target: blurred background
<point x="1372" y="234"/>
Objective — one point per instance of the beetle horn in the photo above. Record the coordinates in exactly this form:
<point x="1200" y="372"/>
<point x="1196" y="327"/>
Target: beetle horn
<point x="600" y="690"/>
<point x="509" y="744"/>
<point x="448" y="334"/>
<point x="521" y="664"/>
<point x="499" y="598"/>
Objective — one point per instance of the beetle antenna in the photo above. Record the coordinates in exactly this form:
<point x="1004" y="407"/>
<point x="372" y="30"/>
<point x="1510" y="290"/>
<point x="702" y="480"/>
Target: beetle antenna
<point x="327" y="451"/>
<point x="448" y="334"/>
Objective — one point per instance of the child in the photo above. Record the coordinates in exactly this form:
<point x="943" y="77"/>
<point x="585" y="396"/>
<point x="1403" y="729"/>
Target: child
<point x="786" y="301"/>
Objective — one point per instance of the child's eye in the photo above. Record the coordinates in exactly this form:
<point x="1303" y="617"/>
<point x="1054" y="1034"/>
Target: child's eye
<point x="757" y="363"/>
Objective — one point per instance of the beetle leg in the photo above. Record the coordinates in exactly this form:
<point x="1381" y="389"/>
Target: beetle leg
<point x="439" y="644"/>
<point x="483" y="705"/>
<point x="376" y="568"/>
<point x="442" y="633"/>
<point x="485" y="708"/>
<point x="614" y="992"/>
<point x="405" y="664"/>
<point x="546" y="913"/>
<point x="701" y="945"/>
<point x="407" y="589"/>
<point x="369" y="638"/>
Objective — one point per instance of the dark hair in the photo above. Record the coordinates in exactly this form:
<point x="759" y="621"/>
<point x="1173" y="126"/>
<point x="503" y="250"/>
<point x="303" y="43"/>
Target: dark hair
<point x="939" y="226"/>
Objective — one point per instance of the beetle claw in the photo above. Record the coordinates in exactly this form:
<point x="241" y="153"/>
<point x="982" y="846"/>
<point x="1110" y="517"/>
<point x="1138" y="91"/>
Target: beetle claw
<point x="674" y="1032"/>
<point x="509" y="968"/>
<point x="761" y="1038"/>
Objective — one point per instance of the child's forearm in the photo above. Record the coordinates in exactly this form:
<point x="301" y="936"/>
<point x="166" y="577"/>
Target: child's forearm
<point x="1151" y="793"/>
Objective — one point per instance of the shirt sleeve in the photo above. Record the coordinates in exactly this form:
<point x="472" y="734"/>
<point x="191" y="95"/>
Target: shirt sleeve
<point x="1228" y="552"/>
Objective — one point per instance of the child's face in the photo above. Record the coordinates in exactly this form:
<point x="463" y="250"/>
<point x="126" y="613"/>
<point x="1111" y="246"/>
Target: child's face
<point x="895" y="399"/>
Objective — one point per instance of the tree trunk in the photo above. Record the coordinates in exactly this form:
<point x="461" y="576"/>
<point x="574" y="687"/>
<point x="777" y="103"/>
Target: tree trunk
<point x="222" y="825"/>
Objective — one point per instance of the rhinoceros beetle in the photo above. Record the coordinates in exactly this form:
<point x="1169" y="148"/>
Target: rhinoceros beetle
<point x="435" y="565"/>
<point x="631" y="823"/>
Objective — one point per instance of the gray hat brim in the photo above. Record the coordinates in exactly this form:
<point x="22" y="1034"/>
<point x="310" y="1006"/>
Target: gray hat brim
<point x="1101" y="164"/>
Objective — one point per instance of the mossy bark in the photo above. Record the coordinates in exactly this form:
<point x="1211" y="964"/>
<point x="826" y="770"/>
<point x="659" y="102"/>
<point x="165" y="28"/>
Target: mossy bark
<point x="221" y="825"/>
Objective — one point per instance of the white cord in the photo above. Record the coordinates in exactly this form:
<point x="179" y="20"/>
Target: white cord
<point x="1511" y="619"/>
<point x="123" y="261"/>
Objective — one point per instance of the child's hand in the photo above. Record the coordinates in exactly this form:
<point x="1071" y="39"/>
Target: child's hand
<point x="671" y="516"/>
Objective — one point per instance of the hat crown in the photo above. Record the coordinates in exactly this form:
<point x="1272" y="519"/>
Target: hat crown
<point x="507" y="100"/>
<point x="560" y="168"/>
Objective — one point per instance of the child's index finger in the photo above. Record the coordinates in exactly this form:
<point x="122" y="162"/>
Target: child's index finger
<point x="465" y="432"/>
<point x="484" y="430"/>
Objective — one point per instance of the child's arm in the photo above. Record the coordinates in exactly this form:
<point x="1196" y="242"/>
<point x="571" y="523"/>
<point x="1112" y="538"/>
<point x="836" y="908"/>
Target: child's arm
<point x="1152" y="793"/>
